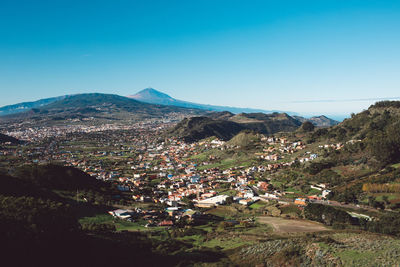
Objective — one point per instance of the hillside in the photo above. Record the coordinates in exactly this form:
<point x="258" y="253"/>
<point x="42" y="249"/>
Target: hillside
<point x="266" y="123"/>
<point x="101" y="103"/>
<point x="25" y="106"/>
<point x="359" y="158"/>
<point x="222" y="115"/>
<point x="245" y="139"/>
<point x="318" y="121"/>
<point x="197" y="128"/>
<point x="375" y="133"/>
<point x="380" y="121"/>
<point x="99" y="106"/>
<point x="150" y="95"/>
<point x="5" y="138"/>
<point x="46" y="181"/>
<point x="40" y="208"/>
<point x="225" y="125"/>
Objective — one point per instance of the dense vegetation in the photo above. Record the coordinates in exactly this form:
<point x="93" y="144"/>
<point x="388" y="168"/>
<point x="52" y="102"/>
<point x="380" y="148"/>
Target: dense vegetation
<point x="328" y="215"/>
<point x="378" y="129"/>
<point x="363" y="166"/>
<point x="387" y="223"/>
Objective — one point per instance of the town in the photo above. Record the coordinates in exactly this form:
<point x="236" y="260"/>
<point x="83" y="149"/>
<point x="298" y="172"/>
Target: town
<point x="147" y="167"/>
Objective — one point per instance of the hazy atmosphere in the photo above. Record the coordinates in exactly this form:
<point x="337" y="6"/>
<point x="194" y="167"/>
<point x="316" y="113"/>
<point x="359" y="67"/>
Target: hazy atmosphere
<point x="310" y="57"/>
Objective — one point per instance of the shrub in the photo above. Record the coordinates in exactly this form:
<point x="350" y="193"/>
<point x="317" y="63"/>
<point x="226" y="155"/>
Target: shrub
<point x="328" y="215"/>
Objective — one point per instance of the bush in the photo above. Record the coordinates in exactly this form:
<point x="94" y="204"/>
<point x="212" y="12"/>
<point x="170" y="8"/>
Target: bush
<point x="385" y="145"/>
<point x="316" y="167"/>
<point x="307" y="127"/>
<point x="328" y="215"/>
<point x="386" y="224"/>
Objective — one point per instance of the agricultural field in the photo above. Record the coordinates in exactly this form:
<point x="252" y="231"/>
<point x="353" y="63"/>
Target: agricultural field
<point x="281" y="225"/>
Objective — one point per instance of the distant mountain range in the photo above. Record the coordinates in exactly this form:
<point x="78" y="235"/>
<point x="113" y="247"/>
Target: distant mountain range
<point x="101" y="107"/>
<point x="148" y="103"/>
<point x="153" y="96"/>
<point x="150" y="95"/>
<point x="25" y="106"/>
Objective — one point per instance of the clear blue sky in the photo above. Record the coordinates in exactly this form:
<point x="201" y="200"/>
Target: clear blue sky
<point x="312" y="57"/>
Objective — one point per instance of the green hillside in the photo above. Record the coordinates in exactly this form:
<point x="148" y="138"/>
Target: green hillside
<point x="197" y="128"/>
<point x="225" y="125"/>
<point x="96" y="106"/>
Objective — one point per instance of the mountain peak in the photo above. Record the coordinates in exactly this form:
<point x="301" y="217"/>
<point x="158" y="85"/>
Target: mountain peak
<point x="150" y="95"/>
<point x="153" y="96"/>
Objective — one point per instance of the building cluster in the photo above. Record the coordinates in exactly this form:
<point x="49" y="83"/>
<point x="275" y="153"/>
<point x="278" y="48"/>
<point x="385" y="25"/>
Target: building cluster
<point x="156" y="169"/>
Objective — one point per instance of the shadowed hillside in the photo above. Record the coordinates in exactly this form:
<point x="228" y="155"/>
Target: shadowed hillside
<point x="226" y="125"/>
<point x="267" y="123"/>
<point x="197" y="128"/>
<point x="5" y="138"/>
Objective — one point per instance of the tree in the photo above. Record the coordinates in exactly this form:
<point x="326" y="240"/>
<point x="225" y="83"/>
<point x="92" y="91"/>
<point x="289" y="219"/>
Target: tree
<point x="316" y="167"/>
<point x="347" y="196"/>
<point x="229" y="200"/>
<point x="341" y="134"/>
<point x="307" y="126"/>
<point x="385" y="200"/>
<point x="384" y="144"/>
<point x="327" y="214"/>
<point x="188" y="202"/>
<point x="371" y="200"/>
<point x="296" y="163"/>
<point x="223" y="225"/>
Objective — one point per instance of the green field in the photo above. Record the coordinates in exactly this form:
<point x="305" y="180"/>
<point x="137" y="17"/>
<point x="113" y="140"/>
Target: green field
<point x="257" y="205"/>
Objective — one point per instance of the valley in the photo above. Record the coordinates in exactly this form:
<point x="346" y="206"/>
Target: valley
<point x="200" y="133"/>
<point x="181" y="186"/>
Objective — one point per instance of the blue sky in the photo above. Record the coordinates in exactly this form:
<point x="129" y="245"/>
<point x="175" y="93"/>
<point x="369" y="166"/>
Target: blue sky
<point x="312" y="57"/>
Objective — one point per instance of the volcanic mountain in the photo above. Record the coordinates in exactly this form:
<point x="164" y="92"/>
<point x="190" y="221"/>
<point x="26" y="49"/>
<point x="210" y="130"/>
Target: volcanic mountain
<point x="102" y="107"/>
<point x="25" y="106"/>
<point x="81" y="105"/>
<point x="150" y="95"/>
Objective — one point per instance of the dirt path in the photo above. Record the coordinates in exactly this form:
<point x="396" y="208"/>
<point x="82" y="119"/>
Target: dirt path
<point x="281" y="225"/>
